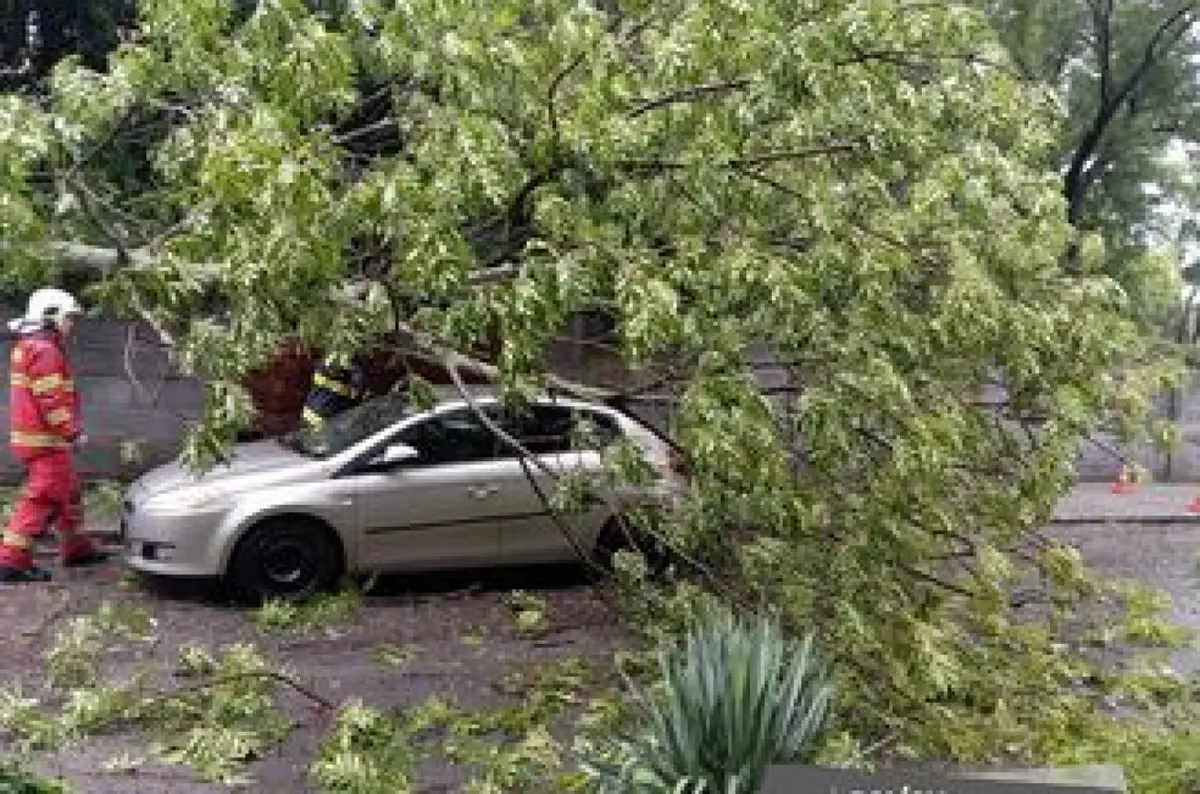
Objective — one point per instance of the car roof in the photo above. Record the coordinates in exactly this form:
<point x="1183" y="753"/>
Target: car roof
<point x="447" y="394"/>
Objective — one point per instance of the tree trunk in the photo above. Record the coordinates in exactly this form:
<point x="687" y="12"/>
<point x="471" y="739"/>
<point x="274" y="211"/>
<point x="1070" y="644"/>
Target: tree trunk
<point x="278" y="390"/>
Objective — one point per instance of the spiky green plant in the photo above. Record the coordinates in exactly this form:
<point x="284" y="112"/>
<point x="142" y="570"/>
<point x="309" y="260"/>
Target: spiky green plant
<point x="736" y="696"/>
<point x="15" y="779"/>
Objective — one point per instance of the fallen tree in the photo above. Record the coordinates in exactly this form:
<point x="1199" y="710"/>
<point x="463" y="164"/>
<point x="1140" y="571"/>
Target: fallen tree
<point x="857" y="187"/>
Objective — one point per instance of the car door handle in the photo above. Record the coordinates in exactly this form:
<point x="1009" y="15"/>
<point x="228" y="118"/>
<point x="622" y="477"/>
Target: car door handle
<point x="483" y="491"/>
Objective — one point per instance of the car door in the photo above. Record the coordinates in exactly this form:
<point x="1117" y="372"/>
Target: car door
<point x="547" y="430"/>
<point x="436" y="511"/>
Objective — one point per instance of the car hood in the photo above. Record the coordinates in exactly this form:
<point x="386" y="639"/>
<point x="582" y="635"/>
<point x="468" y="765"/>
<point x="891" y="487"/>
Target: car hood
<point x="258" y="463"/>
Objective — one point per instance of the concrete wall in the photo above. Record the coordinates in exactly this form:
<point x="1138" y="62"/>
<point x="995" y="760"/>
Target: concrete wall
<point x="1099" y="462"/>
<point x="114" y="410"/>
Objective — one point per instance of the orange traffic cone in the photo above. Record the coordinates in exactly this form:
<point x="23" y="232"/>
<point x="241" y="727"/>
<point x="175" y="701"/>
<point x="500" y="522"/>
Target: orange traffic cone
<point x="1124" y="483"/>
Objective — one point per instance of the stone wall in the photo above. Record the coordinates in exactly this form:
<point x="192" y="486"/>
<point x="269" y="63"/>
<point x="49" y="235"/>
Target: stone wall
<point x="153" y="412"/>
<point x="1100" y="459"/>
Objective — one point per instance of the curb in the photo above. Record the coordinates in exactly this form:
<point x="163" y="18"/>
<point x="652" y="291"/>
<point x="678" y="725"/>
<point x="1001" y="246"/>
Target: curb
<point x="1157" y="520"/>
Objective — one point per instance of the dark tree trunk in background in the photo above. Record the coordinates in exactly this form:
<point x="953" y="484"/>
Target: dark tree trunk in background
<point x="14" y="44"/>
<point x="36" y="34"/>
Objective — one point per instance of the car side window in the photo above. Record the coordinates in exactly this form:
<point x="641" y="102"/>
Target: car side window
<point x="553" y="429"/>
<point x="453" y="437"/>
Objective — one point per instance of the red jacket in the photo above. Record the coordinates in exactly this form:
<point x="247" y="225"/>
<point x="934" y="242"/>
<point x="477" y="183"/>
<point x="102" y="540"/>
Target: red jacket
<point x="42" y="404"/>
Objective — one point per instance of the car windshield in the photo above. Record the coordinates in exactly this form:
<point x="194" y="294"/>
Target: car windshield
<point x="344" y="430"/>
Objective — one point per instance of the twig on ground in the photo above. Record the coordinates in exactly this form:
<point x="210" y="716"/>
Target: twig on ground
<point x="51" y="617"/>
<point x="274" y="675"/>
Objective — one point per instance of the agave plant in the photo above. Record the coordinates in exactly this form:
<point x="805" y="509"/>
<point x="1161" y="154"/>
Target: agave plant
<point x="737" y="696"/>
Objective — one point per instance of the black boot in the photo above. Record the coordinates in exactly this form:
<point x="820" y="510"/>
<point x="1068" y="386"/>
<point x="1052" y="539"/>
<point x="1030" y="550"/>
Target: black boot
<point x="33" y="573"/>
<point x="86" y="560"/>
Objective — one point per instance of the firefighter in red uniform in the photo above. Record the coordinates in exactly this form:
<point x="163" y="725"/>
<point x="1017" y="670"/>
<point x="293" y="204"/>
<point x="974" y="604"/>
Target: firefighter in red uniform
<point x="45" y="429"/>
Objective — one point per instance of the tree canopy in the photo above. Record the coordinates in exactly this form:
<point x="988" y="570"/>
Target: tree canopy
<point x="859" y="186"/>
<point x="1127" y="70"/>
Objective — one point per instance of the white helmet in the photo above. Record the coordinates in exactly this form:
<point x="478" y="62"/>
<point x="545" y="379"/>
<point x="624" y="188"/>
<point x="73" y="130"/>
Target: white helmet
<point x="45" y="307"/>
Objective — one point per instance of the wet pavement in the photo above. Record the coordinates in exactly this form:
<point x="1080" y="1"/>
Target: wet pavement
<point x="463" y="639"/>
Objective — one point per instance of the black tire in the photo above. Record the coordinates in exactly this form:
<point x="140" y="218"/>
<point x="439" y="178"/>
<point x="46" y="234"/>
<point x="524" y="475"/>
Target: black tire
<point x="288" y="558"/>
<point x="619" y="535"/>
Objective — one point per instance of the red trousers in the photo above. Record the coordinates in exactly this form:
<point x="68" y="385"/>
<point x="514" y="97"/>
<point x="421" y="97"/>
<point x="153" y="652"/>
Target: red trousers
<point x="52" y="494"/>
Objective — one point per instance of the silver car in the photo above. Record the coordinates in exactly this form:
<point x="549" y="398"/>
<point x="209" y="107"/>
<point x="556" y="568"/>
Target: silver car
<point x="386" y="488"/>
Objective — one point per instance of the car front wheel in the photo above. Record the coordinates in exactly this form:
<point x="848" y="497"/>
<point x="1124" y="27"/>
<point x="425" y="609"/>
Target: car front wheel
<point x="283" y="558"/>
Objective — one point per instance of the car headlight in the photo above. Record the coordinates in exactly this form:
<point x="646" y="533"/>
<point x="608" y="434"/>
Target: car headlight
<point x="184" y="499"/>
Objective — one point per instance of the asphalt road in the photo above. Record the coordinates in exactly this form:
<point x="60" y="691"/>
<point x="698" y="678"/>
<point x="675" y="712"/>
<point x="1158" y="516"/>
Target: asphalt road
<point x="1148" y="534"/>
<point x="1163" y="555"/>
<point x="462" y="638"/>
<point x="465" y="640"/>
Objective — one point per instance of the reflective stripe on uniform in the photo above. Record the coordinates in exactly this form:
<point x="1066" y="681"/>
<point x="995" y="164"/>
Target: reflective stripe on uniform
<point x="326" y="382"/>
<point x="64" y="384"/>
<point x="42" y="385"/>
<point x="46" y="384"/>
<point x="36" y="439"/>
<point x="311" y="416"/>
<point x="58" y="416"/>
<point x="17" y="540"/>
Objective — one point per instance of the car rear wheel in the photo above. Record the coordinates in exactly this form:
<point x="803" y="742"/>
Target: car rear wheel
<point x="621" y="535"/>
<point x="291" y="559"/>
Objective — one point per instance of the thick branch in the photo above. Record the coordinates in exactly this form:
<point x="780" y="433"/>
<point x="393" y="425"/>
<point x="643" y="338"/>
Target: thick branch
<point x="1099" y="165"/>
<point x="428" y="350"/>
<point x="96" y="260"/>
<point x="82" y="258"/>
<point x="737" y="163"/>
<point x="1102" y="27"/>
<point x="684" y="95"/>
<point x="382" y="125"/>
<point x="552" y="92"/>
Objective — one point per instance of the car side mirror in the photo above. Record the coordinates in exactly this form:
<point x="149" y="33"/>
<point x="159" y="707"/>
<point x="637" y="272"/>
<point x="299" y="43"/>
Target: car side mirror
<point x="395" y="454"/>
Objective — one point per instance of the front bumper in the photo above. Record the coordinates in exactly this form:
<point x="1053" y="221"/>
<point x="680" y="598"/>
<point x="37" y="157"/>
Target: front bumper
<point x="170" y="544"/>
